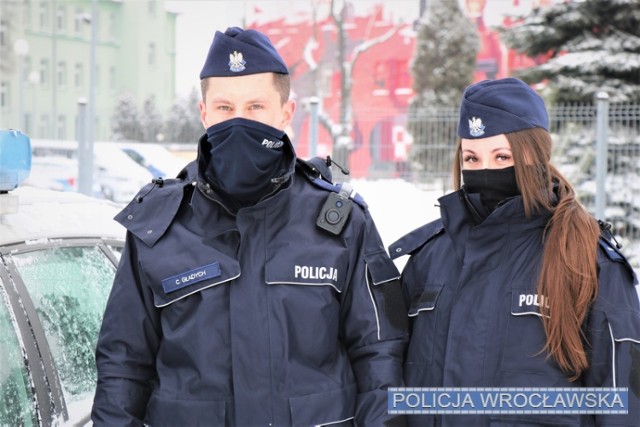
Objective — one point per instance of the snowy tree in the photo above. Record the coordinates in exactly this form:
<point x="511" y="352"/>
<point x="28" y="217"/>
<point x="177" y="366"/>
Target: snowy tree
<point x="9" y="12"/>
<point x="183" y="120"/>
<point x="347" y="59"/>
<point x="151" y="120"/>
<point x="443" y="65"/>
<point x="592" y="46"/>
<point x="125" y="121"/>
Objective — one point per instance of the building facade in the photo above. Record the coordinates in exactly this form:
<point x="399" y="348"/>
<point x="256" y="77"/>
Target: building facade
<point x="48" y="47"/>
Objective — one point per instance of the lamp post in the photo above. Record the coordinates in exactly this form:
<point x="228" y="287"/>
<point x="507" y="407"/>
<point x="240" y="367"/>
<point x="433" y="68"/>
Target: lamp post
<point x="86" y="134"/>
<point x="34" y="80"/>
<point x="21" y="49"/>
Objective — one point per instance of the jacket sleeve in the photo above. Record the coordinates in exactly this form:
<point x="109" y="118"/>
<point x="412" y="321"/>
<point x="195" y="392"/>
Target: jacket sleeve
<point x="126" y="347"/>
<point x="613" y="335"/>
<point x="374" y="326"/>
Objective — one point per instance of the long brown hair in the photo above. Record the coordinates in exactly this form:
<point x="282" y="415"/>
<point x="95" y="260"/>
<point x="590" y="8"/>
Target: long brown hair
<point x="568" y="277"/>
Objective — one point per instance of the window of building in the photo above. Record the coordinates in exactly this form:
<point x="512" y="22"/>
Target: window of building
<point x="62" y="127"/>
<point x="44" y="71"/>
<point x="27" y="14"/>
<point x="78" y="21"/>
<point x="4" y="95"/>
<point x="151" y="6"/>
<point x="3" y="33"/>
<point x="62" y="73"/>
<point x="44" y="15"/>
<point x="44" y="126"/>
<point x="113" y="23"/>
<point x="28" y="123"/>
<point x="27" y="67"/>
<point x="78" y="77"/>
<point x="151" y="59"/>
<point x="112" y="78"/>
<point x="61" y="19"/>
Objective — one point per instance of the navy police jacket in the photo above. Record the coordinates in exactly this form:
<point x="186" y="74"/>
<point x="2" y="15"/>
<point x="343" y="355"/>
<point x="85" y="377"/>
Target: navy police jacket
<point x="474" y="310"/>
<point x="257" y="317"/>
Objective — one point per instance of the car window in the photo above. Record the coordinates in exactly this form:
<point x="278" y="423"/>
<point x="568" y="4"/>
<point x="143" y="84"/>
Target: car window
<point x="69" y="287"/>
<point x="16" y="399"/>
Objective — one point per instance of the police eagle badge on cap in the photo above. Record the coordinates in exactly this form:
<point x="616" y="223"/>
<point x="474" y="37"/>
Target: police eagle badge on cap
<point x="236" y="62"/>
<point x="476" y="128"/>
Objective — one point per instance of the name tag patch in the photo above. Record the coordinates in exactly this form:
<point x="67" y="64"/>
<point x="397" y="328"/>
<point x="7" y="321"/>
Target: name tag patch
<point x="190" y="277"/>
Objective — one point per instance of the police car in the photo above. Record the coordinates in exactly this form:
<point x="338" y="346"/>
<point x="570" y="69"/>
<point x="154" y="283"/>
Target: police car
<point x="58" y="257"/>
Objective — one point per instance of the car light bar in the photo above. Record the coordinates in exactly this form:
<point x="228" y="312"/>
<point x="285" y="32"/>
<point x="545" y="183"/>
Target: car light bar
<point x="15" y="159"/>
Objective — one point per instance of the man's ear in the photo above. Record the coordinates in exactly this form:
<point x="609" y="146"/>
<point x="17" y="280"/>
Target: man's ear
<point x="203" y="113"/>
<point x="288" y="109"/>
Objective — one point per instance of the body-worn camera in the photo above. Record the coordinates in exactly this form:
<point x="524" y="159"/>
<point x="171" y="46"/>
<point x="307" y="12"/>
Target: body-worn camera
<point x="335" y="212"/>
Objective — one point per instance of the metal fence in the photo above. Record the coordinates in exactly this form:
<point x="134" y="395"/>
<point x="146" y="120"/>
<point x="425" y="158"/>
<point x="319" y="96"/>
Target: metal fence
<point x="427" y="158"/>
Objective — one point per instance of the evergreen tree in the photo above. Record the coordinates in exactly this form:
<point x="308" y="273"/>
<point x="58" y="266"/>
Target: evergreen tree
<point x="183" y="120"/>
<point x="125" y="122"/>
<point x="444" y="61"/>
<point x="151" y="120"/>
<point x="592" y="45"/>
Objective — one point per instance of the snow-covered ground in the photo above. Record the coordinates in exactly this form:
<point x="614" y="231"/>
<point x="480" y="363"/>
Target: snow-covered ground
<point x="398" y="207"/>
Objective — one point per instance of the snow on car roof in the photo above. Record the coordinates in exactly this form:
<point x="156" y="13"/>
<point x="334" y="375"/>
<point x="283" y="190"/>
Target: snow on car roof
<point x="46" y="214"/>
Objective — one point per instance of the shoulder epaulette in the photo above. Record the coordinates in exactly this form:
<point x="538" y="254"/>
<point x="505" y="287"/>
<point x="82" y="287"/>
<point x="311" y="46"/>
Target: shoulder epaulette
<point x="318" y="173"/>
<point x="416" y="239"/>
<point x="611" y="248"/>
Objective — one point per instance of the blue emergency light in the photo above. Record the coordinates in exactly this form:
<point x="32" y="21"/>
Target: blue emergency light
<point x="15" y="159"/>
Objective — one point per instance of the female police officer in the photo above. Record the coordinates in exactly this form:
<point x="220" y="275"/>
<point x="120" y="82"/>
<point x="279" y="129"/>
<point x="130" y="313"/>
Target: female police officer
<point x="242" y="297"/>
<point x="514" y="286"/>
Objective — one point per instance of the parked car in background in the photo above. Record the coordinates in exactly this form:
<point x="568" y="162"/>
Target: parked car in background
<point x="116" y="176"/>
<point x="159" y="161"/>
<point x="58" y="257"/>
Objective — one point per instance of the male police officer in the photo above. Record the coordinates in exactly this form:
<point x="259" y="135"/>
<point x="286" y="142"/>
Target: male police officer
<point x="250" y="291"/>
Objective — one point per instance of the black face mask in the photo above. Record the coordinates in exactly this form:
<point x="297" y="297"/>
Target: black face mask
<point x="247" y="159"/>
<point x="494" y="185"/>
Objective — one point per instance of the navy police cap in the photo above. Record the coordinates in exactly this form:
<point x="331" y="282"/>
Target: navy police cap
<point x="238" y="52"/>
<point x="494" y="107"/>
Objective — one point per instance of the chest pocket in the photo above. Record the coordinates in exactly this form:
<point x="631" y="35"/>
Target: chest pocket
<point x="426" y="301"/>
<point x="312" y="266"/>
<point x="524" y="335"/>
<point x="424" y="314"/>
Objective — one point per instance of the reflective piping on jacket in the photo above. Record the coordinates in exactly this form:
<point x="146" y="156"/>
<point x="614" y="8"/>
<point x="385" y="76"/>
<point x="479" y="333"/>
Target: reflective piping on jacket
<point x="375" y="309"/>
<point x="422" y="309"/>
<point x="333" y="422"/>
<point x="530" y="312"/>
<point x="613" y="355"/>
<point x="306" y="284"/>
<point x="198" y="290"/>
<point x="388" y="280"/>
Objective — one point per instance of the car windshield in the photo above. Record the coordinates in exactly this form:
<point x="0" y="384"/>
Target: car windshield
<point x="69" y="287"/>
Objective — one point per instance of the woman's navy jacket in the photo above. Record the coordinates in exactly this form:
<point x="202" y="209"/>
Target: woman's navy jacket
<point x="258" y="317"/>
<point x="475" y="319"/>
